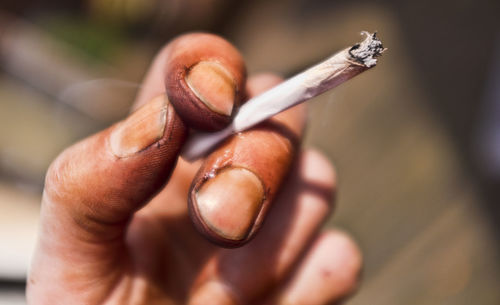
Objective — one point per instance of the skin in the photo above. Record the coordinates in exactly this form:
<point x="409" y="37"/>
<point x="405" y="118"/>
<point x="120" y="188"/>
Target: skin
<point x="266" y="151"/>
<point x="115" y="226"/>
<point x="188" y="54"/>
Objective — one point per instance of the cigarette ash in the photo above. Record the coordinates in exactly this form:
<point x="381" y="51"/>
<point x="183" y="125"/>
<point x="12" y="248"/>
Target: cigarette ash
<point x="367" y="51"/>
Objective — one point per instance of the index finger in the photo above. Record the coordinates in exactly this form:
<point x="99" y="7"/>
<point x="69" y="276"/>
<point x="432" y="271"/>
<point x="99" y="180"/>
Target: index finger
<point x="203" y="76"/>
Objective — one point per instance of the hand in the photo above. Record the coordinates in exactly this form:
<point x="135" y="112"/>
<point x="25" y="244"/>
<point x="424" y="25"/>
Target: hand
<point x="115" y="227"/>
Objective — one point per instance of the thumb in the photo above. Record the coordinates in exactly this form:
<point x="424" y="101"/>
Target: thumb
<point x="96" y="185"/>
<point x="91" y="191"/>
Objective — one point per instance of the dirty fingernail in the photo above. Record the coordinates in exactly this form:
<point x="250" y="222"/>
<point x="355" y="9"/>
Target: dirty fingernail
<point x="229" y="203"/>
<point x="141" y="129"/>
<point x="213" y="85"/>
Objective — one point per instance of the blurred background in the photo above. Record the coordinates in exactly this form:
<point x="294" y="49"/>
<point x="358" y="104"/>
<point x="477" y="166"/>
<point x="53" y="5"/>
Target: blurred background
<point x="416" y="141"/>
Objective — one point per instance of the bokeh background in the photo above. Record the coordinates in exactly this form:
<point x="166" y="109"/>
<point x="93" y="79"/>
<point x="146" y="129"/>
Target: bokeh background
<point x="416" y="141"/>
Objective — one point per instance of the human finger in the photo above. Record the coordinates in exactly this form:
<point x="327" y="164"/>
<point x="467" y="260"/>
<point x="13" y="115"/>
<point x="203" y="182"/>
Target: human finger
<point x="235" y="186"/>
<point x="91" y="191"/>
<point x="203" y="76"/>
<point x="328" y="273"/>
<point x="246" y="274"/>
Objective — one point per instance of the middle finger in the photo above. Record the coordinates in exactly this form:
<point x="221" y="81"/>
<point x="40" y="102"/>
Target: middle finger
<point x="234" y="188"/>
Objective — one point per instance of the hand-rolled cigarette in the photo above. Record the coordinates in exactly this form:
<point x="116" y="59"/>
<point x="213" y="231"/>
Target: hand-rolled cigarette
<point x="326" y="75"/>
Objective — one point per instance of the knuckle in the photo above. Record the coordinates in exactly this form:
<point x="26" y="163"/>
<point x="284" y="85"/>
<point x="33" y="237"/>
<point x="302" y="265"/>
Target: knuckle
<point x="58" y="182"/>
<point x="322" y="168"/>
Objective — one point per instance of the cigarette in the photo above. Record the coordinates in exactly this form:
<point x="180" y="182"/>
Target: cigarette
<point x="302" y="87"/>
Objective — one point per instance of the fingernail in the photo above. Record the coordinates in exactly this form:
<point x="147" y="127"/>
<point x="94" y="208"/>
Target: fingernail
<point x="213" y="292"/>
<point x="141" y="129"/>
<point x="213" y="85"/>
<point x="229" y="203"/>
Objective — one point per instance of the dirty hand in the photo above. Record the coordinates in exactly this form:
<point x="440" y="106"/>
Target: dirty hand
<point x="115" y="224"/>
